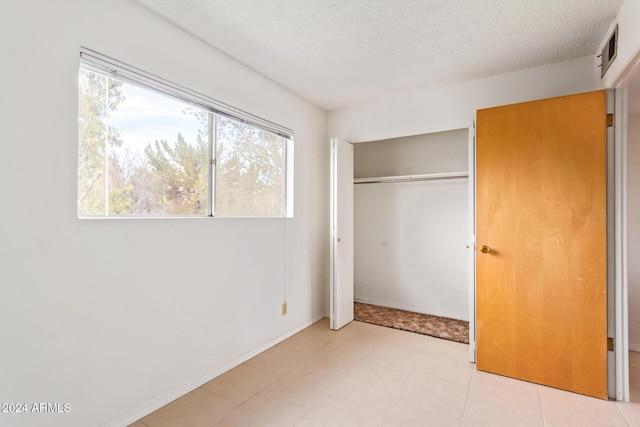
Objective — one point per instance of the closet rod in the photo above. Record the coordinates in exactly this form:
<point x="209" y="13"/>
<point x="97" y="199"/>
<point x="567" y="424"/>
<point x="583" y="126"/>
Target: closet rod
<point x="410" y="178"/>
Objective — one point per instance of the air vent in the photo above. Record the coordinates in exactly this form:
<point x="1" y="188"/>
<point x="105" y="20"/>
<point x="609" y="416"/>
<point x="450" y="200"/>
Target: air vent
<point x="609" y="51"/>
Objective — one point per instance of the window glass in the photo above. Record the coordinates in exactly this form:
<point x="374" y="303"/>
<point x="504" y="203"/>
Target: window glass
<point x="144" y="153"/>
<point x="140" y="152"/>
<point x="250" y="165"/>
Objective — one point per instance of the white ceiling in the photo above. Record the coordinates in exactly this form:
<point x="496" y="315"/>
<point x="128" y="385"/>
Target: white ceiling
<point x="341" y="53"/>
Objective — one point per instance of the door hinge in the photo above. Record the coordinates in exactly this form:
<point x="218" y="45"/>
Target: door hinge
<point x="610" y="344"/>
<point x="609" y="120"/>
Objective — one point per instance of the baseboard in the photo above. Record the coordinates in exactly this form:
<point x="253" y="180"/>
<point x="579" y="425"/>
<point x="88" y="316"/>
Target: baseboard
<point x="634" y="347"/>
<point x="169" y="397"/>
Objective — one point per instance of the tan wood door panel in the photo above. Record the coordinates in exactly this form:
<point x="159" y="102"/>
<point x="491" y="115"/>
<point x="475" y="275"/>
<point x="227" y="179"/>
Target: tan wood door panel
<point x="541" y="308"/>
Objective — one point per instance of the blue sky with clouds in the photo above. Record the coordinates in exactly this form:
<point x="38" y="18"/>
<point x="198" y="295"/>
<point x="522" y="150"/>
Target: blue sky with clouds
<point x="146" y="116"/>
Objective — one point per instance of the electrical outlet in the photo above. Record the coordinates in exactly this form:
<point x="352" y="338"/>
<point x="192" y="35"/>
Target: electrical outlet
<point x="284" y="308"/>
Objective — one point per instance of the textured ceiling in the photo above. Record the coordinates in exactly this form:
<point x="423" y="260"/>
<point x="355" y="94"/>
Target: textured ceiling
<point x="341" y="53"/>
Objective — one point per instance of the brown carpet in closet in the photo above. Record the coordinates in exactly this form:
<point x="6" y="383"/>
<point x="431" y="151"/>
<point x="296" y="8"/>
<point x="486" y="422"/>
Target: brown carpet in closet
<point x="435" y="326"/>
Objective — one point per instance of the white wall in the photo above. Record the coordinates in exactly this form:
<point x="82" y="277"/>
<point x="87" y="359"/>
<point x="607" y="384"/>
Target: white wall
<point x="439" y="108"/>
<point x="633" y="160"/>
<point x="431" y="153"/>
<point x="117" y="316"/>
<point x="410" y="240"/>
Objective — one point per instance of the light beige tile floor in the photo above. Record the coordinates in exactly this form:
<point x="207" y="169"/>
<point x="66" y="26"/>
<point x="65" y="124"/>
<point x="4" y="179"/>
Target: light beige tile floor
<point x="366" y="375"/>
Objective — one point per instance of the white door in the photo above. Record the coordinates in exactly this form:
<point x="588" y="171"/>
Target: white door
<point x="341" y="293"/>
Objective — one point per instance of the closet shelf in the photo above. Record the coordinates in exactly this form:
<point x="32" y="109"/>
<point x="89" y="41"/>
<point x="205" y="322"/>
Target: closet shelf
<point x="410" y="178"/>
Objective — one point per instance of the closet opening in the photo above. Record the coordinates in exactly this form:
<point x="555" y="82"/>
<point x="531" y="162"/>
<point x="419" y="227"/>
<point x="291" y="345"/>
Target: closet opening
<point x="411" y="233"/>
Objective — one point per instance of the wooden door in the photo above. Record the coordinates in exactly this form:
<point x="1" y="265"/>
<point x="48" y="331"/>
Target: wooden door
<point x="341" y="247"/>
<point x="541" y="211"/>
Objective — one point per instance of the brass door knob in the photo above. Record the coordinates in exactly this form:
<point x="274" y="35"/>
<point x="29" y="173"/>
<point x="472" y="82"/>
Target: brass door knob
<point x="485" y="249"/>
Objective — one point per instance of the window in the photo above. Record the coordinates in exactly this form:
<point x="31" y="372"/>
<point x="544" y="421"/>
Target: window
<point x="151" y="148"/>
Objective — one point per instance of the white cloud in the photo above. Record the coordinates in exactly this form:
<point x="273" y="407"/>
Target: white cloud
<point x="145" y="117"/>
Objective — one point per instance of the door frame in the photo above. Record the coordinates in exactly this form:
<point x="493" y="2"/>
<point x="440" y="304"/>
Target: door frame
<point x="621" y="85"/>
<point x="472" y="241"/>
<point x="613" y="255"/>
<point x="621" y="281"/>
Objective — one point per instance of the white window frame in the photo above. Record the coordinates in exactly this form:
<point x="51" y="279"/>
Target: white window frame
<point x="111" y="67"/>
